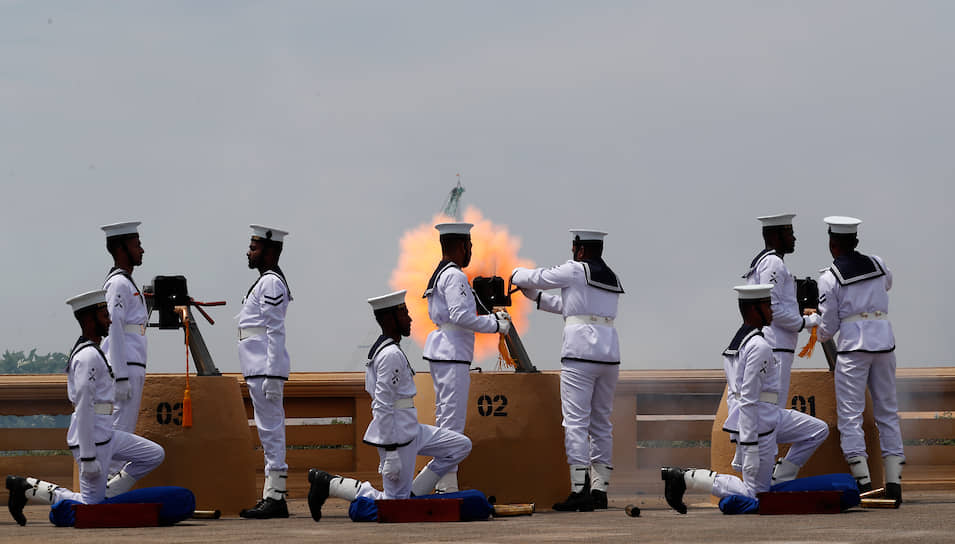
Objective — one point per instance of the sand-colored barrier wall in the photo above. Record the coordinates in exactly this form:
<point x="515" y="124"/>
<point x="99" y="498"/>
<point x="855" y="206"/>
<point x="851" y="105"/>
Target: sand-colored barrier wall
<point x="514" y="423"/>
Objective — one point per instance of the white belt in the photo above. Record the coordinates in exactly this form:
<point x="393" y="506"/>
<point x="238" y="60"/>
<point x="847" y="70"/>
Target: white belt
<point x="103" y="408"/>
<point x="867" y="316"/>
<point x="133" y="328"/>
<point x="249" y="332"/>
<point x="588" y="320"/>
<point x="765" y="396"/>
<point x="451" y="327"/>
<point x="404" y="403"/>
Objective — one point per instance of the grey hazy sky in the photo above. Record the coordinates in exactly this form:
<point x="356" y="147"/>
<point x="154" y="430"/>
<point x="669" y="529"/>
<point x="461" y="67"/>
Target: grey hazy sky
<point x="670" y="124"/>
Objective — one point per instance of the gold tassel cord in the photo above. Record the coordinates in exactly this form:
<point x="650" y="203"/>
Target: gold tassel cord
<point x="811" y="344"/>
<point x="505" y="359"/>
<point x="187" y="394"/>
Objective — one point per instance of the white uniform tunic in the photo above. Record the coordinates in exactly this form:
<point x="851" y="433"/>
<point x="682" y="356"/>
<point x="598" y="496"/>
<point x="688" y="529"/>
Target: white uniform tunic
<point x="590" y="353"/>
<point x="769" y="268"/>
<point x="450" y="348"/>
<point x="262" y="355"/>
<point x="389" y="379"/>
<point x="854" y="302"/>
<point x="91" y="435"/>
<point x="125" y="346"/>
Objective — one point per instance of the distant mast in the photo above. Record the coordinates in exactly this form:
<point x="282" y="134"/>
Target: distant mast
<point x="451" y="204"/>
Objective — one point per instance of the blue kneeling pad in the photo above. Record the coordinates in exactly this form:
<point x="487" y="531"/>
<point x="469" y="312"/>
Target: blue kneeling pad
<point x="474" y="506"/>
<point x="739" y="504"/>
<point x="178" y="503"/>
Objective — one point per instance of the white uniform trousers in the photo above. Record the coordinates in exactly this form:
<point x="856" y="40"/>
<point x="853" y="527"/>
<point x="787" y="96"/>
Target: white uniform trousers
<point x="142" y="455"/>
<point x="586" y="400"/>
<point x="126" y="412"/>
<point x="270" y="422"/>
<point x="452" y="382"/>
<point x="448" y="448"/>
<point x="785" y="359"/>
<point x="854" y="371"/>
<point x="726" y="484"/>
<point x="804" y="432"/>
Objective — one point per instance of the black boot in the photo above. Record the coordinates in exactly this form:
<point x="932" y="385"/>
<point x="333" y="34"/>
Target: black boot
<point x="600" y="499"/>
<point x="865" y="488"/>
<point x="581" y="500"/>
<point x="894" y="492"/>
<point x="317" y="491"/>
<point x="675" y="487"/>
<point x="267" y="508"/>
<point x="18" y="498"/>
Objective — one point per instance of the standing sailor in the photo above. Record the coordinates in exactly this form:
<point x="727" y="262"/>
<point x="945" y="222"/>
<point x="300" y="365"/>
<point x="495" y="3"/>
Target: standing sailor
<point x="769" y="268"/>
<point x="125" y="347"/>
<point x="590" y="361"/>
<point x="394" y="428"/>
<point x="854" y="302"/>
<point x="92" y="438"/>
<point x="264" y="363"/>
<point x="450" y="348"/>
<point x="752" y="377"/>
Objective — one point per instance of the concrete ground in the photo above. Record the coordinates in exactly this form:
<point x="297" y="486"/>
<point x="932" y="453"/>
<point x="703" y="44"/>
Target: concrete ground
<point x="926" y="516"/>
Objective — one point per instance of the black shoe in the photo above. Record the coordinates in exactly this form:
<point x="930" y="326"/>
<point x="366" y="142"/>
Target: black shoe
<point x="18" y="497"/>
<point x="865" y="488"/>
<point x="317" y="491"/>
<point x="267" y="508"/>
<point x="894" y="492"/>
<point x="675" y="487"/>
<point x="582" y="502"/>
<point x="600" y="499"/>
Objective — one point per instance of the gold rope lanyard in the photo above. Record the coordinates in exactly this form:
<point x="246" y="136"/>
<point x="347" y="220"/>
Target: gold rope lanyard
<point x="811" y="344"/>
<point x="186" y="395"/>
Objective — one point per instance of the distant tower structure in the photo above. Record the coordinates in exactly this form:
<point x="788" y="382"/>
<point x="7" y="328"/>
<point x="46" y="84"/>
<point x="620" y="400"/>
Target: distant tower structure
<point x="451" y="204"/>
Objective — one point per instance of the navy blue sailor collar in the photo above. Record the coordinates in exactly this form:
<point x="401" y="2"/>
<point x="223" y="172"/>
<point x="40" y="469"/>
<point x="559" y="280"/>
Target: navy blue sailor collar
<point x="743" y="335"/>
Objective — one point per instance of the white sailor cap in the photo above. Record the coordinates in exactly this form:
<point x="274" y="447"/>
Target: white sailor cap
<point x="839" y="224"/>
<point x="391" y="300"/>
<point x="260" y="232"/>
<point x="778" y="220"/>
<point x="121" y="229"/>
<point x="759" y="291"/>
<point x="454" y="228"/>
<point x="588" y="235"/>
<point x="87" y="300"/>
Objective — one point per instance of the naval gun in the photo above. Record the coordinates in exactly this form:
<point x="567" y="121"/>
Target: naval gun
<point x="491" y="297"/>
<point x="170" y="297"/>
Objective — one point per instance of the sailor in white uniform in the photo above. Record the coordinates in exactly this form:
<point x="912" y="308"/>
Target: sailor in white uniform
<point x="768" y="267"/>
<point x="394" y="428"/>
<point x="854" y="302"/>
<point x="590" y="361"/>
<point x="264" y="363"/>
<point x="449" y="349"/>
<point x="752" y="377"/>
<point x="91" y="437"/>
<point x="125" y="347"/>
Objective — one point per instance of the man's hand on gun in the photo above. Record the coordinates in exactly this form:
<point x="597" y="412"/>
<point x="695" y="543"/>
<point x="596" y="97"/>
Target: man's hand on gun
<point x="503" y="322"/>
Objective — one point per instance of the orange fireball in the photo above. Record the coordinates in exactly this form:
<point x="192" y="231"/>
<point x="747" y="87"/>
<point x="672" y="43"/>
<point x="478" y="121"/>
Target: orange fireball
<point x="494" y="254"/>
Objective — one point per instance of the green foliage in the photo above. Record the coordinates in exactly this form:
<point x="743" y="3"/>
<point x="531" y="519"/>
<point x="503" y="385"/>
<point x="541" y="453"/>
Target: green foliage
<point x="17" y="362"/>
